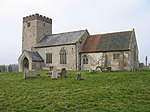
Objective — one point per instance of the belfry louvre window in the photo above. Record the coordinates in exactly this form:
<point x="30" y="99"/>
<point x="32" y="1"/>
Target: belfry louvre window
<point x="85" y="59"/>
<point x="48" y="58"/>
<point x="28" y="24"/>
<point x="116" y="56"/>
<point x="63" y="56"/>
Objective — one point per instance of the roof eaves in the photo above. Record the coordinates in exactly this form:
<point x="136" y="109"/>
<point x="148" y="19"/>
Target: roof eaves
<point x="54" y="45"/>
<point x="105" y="51"/>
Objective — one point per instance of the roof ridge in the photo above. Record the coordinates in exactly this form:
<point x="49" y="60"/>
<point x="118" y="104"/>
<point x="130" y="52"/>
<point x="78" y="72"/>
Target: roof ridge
<point x="67" y="32"/>
<point x="114" y="32"/>
<point x="94" y="35"/>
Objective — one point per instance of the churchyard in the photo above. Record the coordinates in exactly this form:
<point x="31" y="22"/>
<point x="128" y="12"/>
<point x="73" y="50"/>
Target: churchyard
<point x="97" y="92"/>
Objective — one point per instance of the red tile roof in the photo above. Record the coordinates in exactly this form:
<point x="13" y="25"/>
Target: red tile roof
<point x="91" y="43"/>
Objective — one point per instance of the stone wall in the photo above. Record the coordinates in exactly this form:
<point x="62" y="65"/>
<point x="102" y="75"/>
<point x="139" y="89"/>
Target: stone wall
<point x="29" y="36"/>
<point x="55" y="50"/>
<point x="94" y="60"/>
<point x="134" y="53"/>
<point x="115" y="64"/>
<point x="106" y="59"/>
<point x="34" y="32"/>
<point x="43" y="29"/>
<point x="127" y="60"/>
<point x="37" y="65"/>
<point x="123" y="63"/>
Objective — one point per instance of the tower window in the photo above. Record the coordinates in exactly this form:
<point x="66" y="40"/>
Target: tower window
<point x="28" y="24"/>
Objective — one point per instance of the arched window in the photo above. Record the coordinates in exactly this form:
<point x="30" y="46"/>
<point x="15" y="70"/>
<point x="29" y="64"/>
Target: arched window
<point x="85" y="59"/>
<point x="63" y="56"/>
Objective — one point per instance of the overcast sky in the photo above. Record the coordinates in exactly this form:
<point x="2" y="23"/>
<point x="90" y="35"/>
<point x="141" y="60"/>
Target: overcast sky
<point x="98" y="16"/>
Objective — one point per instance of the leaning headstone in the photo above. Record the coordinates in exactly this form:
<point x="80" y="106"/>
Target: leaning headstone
<point x="78" y="76"/>
<point x="98" y="70"/>
<point x="29" y="73"/>
<point x="54" y="73"/>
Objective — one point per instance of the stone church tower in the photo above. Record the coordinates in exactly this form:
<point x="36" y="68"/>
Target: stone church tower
<point x="35" y="27"/>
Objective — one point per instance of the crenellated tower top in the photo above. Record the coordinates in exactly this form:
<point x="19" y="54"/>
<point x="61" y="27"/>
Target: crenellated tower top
<point x="37" y="17"/>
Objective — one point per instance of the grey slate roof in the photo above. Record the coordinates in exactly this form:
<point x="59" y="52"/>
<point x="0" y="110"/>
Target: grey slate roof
<point x="35" y="56"/>
<point x="115" y="41"/>
<point x="61" y="39"/>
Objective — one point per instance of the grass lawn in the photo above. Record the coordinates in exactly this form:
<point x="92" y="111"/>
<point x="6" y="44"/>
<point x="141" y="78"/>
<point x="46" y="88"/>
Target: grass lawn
<point x="98" y="92"/>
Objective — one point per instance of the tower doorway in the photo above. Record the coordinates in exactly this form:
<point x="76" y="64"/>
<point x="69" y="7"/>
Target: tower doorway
<point x="25" y="63"/>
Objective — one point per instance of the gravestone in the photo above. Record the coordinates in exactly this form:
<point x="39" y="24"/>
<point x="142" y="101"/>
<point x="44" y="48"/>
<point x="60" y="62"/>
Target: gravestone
<point x="78" y="76"/>
<point x="29" y="73"/>
<point x="63" y="72"/>
<point x="54" y="73"/>
<point x="98" y="69"/>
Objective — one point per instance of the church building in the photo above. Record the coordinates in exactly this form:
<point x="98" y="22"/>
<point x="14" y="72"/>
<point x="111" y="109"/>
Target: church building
<point x="75" y="50"/>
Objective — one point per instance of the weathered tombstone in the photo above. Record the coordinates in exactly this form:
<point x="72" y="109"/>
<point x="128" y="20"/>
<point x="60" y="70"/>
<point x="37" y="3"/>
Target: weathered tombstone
<point x="54" y="73"/>
<point x="29" y="73"/>
<point x="51" y="68"/>
<point x="78" y="76"/>
<point x="98" y="69"/>
<point x="63" y="72"/>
